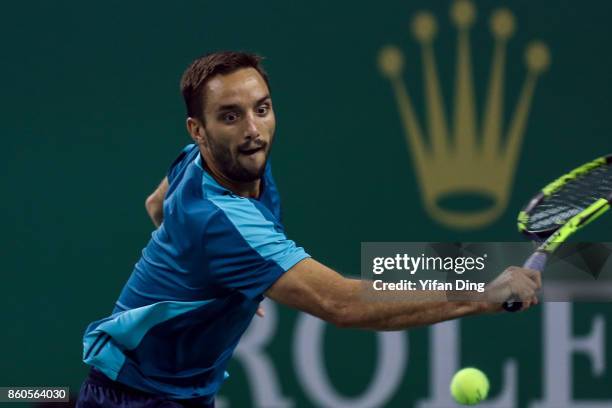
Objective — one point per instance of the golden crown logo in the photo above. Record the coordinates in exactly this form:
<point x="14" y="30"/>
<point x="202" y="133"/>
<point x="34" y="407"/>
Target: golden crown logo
<point x="472" y="163"/>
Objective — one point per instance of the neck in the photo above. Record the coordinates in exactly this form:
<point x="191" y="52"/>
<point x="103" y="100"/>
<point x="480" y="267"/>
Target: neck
<point x="250" y="189"/>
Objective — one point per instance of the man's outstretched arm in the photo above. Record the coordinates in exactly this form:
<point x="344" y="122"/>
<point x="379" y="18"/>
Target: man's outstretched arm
<point x="316" y="289"/>
<point x="155" y="203"/>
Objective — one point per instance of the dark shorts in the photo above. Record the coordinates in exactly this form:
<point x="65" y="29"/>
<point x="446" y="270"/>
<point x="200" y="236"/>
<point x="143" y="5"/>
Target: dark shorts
<point x="100" y="391"/>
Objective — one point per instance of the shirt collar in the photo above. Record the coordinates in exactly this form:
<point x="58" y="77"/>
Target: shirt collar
<point x="211" y="185"/>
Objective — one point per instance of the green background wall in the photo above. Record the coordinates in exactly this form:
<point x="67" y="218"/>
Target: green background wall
<point x="92" y="117"/>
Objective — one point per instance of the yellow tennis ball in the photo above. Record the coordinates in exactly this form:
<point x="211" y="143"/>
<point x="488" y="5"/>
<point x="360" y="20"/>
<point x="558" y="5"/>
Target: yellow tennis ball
<point x="469" y="386"/>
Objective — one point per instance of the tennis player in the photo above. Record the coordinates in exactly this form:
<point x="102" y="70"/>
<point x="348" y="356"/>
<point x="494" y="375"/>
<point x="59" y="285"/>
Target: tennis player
<point x="219" y="248"/>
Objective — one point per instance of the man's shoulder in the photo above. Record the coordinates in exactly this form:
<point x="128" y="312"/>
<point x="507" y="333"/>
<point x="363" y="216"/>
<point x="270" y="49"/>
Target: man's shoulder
<point x="187" y="202"/>
<point x="195" y="203"/>
<point x="184" y="158"/>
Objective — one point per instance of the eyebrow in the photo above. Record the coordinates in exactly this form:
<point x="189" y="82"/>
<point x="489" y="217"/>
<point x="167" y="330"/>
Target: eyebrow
<point x="234" y="106"/>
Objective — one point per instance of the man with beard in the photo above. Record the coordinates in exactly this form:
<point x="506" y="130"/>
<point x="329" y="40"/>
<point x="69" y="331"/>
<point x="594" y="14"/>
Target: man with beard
<point x="218" y="249"/>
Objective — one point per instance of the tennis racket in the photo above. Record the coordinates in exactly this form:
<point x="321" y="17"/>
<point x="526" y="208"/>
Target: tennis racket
<point x="562" y="208"/>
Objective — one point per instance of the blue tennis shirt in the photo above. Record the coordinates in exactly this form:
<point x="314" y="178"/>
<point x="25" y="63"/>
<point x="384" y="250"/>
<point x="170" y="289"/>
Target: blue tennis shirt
<point x="195" y="288"/>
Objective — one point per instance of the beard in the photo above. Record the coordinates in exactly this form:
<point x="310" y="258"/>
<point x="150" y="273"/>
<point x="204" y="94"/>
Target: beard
<point x="229" y="164"/>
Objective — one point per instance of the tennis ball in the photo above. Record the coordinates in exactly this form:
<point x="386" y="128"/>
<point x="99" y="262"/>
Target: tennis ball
<point x="469" y="386"/>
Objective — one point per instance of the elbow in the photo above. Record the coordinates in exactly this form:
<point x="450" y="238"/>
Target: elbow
<point x="154" y="209"/>
<point x="151" y="204"/>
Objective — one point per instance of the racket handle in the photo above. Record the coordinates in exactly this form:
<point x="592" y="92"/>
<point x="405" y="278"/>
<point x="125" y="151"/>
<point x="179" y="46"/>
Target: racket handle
<point x="536" y="261"/>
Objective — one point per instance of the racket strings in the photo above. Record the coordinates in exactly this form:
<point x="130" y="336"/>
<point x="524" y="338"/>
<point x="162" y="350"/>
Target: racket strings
<point x="572" y="198"/>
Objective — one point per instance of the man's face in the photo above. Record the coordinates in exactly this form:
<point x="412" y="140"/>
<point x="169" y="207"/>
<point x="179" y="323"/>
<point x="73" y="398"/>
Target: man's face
<point x="239" y="124"/>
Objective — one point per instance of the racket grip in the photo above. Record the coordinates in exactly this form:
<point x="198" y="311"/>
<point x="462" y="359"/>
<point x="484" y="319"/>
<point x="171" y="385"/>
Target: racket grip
<point x="537" y="261"/>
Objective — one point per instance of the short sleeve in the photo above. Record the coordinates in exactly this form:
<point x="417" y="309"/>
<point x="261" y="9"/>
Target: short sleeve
<point x="245" y="251"/>
<point x="180" y="162"/>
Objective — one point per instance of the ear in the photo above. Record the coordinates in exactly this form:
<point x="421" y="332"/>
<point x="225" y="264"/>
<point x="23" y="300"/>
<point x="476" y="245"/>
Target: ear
<point x="196" y="130"/>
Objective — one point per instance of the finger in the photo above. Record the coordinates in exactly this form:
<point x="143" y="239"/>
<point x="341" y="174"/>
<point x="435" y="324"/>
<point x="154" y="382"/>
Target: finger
<point x="538" y="277"/>
<point x="526" y="292"/>
<point x="534" y="275"/>
<point x="260" y="312"/>
<point x="528" y="303"/>
<point x="529" y="283"/>
<point x="532" y="284"/>
<point x="532" y="301"/>
<point x="523" y="276"/>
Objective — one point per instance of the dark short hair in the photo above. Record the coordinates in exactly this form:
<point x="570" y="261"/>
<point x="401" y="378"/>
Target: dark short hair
<point x="208" y="66"/>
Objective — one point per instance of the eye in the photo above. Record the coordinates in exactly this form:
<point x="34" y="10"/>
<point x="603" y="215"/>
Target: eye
<point x="263" y="110"/>
<point x="230" y="117"/>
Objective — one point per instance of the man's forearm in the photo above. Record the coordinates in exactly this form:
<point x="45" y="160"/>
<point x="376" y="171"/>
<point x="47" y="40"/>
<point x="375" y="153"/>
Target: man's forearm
<point x="413" y="310"/>
<point x="399" y="315"/>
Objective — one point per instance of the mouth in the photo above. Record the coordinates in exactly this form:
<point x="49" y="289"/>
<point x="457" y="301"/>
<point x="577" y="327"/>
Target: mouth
<point x="251" y="151"/>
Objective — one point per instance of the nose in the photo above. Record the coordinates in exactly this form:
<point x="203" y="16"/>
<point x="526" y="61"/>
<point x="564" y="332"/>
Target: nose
<point x="251" y="130"/>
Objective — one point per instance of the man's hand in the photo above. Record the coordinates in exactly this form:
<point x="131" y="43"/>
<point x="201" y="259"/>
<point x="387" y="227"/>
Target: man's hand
<point x="260" y="311"/>
<point x="514" y="281"/>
